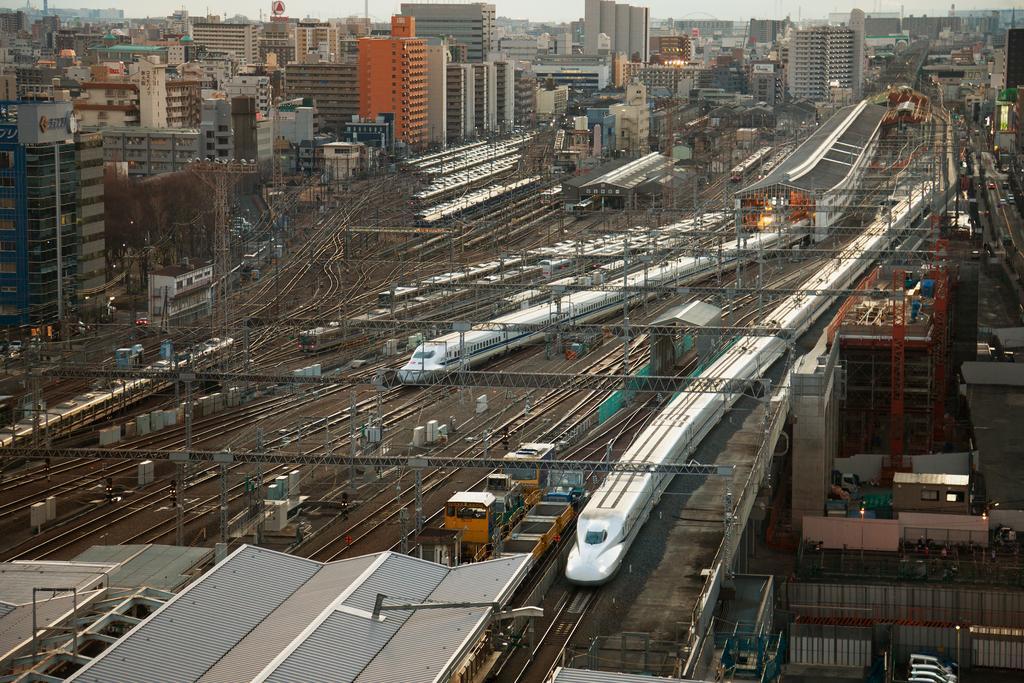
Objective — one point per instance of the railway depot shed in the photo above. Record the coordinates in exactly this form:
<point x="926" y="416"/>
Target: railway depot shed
<point x="262" y="615"/>
<point x="816" y="181"/>
<point x="621" y="183"/>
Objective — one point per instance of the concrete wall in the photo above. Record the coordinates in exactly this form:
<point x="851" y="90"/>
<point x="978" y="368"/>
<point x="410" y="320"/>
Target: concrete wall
<point x="815" y="410"/>
<point x="853" y="533"/>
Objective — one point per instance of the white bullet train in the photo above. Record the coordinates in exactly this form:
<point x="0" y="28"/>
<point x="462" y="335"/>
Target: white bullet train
<point x="444" y="354"/>
<point x="621" y="505"/>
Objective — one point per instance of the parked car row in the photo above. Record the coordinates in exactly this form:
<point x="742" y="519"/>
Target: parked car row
<point x="929" y="669"/>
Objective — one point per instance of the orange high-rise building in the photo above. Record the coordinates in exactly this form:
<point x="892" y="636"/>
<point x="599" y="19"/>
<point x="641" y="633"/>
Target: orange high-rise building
<point x="393" y="79"/>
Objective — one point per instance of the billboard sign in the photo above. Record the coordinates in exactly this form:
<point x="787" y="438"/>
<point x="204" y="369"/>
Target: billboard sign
<point x="45" y="122"/>
<point x="1003" y="117"/>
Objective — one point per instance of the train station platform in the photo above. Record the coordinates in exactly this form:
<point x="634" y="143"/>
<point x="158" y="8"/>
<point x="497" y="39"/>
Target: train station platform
<point x="819" y="179"/>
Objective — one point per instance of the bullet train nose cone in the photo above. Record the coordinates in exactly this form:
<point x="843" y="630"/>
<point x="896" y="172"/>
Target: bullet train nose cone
<point x="585" y="575"/>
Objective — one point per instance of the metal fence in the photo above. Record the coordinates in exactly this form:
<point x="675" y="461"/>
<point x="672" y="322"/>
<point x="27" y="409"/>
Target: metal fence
<point x="830" y="645"/>
<point x="892" y="602"/>
<point x="959" y="565"/>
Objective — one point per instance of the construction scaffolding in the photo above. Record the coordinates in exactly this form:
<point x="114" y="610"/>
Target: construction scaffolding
<point x="894" y="344"/>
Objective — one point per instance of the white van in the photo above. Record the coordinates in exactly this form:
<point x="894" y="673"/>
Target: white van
<point x="921" y="676"/>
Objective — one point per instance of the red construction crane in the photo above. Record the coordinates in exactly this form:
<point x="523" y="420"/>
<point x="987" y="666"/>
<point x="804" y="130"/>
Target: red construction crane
<point x="899" y="336"/>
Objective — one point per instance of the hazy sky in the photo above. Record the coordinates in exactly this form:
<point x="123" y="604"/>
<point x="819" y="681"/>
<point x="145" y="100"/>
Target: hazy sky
<point x="562" y="10"/>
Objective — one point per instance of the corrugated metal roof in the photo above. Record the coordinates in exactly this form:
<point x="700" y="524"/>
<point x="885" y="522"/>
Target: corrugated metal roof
<point x="155" y="566"/>
<point x="400" y="577"/>
<point x="834" y="165"/>
<point x="17" y="579"/>
<point x="339" y="649"/>
<point x="259" y="647"/>
<point x="693" y="313"/>
<point x="415" y="653"/>
<point x="585" y="676"/>
<point x="267" y="616"/>
<point x="197" y="627"/>
<point x="480" y="581"/>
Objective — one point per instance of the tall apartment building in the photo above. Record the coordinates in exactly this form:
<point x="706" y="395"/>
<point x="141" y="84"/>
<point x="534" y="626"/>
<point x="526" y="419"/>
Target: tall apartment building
<point x="215" y="138"/>
<point x="485" y="97"/>
<point x="321" y="37"/>
<point x="238" y="40"/>
<point x="526" y="98"/>
<point x="767" y="30"/>
<point x="13" y="22"/>
<point x="817" y="57"/>
<point x="438" y="59"/>
<point x="90" y="214"/>
<point x="256" y="87"/>
<point x="856" y="24"/>
<point x="333" y="88"/>
<point x="632" y="121"/>
<point x="504" y="95"/>
<point x="470" y="24"/>
<point x="667" y="49"/>
<point x="150" y="80"/>
<point x="276" y="39"/>
<point x="184" y="101"/>
<point x="1014" y="57"/>
<point x="144" y="98"/>
<point x="107" y="103"/>
<point x="460" y="107"/>
<point x="766" y="83"/>
<point x="627" y="27"/>
<point x="552" y="102"/>
<point x="393" y="79"/>
<point x="40" y="241"/>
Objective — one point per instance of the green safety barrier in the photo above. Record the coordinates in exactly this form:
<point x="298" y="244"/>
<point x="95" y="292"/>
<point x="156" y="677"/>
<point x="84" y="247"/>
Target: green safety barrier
<point x="616" y="401"/>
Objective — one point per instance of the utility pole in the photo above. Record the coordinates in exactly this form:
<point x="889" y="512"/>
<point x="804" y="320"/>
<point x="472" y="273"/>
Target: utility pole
<point x="668" y="192"/>
<point x="222" y="179"/>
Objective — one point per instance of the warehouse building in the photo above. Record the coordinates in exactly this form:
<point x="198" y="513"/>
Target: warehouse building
<point x="620" y="184"/>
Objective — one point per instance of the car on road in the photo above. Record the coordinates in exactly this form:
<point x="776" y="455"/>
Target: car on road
<point x="142" y="321"/>
<point x="991" y="185"/>
<point x="1002" y="201"/>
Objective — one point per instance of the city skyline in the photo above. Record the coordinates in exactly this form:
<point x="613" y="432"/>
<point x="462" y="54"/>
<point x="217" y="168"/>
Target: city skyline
<point x="535" y="10"/>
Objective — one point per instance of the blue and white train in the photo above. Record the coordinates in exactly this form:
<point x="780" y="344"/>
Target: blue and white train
<point x="445" y="353"/>
<point x="621" y="505"/>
